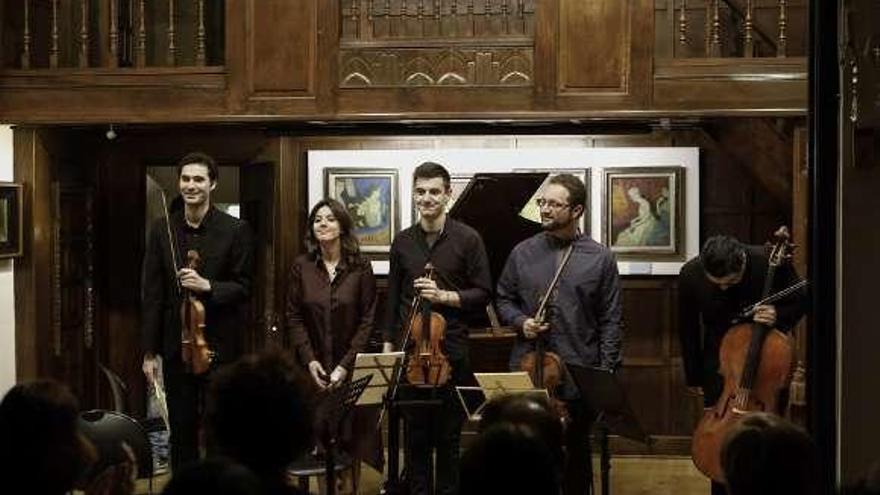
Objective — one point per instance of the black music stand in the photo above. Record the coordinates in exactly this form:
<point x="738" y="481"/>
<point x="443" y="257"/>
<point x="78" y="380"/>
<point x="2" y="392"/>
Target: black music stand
<point x="601" y="391"/>
<point x="336" y="405"/>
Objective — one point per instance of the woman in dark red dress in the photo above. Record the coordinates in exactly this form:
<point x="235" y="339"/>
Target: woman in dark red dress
<point x="331" y="303"/>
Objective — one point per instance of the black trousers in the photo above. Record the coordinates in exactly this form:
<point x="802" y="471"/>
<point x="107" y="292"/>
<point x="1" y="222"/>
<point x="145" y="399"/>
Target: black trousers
<point x="577" y="474"/>
<point x="185" y="394"/>
<point x="435" y="430"/>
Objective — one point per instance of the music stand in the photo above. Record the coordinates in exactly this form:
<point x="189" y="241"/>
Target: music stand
<point x="380" y="366"/>
<point x="336" y="406"/>
<point x="601" y="391"/>
<point x="494" y="385"/>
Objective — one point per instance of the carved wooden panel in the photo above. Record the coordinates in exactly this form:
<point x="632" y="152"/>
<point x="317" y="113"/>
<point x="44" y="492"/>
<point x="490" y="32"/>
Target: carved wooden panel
<point x="282" y="59"/>
<point x="470" y="66"/>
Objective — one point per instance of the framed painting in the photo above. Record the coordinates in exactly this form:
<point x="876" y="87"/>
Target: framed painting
<point x="642" y="217"/>
<point x="11" y="211"/>
<point x="371" y="196"/>
<point x="457" y="183"/>
<point x="531" y="210"/>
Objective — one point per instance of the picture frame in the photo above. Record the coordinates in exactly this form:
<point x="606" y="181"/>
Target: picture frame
<point x="643" y="212"/>
<point x="584" y="174"/>
<point x="11" y="214"/>
<point x="372" y="198"/>
<point x="457" y="184"/>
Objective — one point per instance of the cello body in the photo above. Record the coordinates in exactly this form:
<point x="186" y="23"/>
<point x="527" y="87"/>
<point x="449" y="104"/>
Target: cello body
<point x="757" y="363"/>
<point x="772" y="378"/>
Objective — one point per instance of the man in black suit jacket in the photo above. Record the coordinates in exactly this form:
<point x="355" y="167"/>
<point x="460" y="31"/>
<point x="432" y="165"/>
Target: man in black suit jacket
<point x="222" y="282"/>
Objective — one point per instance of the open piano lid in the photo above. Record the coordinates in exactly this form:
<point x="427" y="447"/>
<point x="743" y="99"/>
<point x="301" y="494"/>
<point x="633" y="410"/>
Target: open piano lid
<point x="491" y="203"/>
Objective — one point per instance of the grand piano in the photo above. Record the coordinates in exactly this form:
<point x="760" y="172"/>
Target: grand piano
<point x="491" y="204"/>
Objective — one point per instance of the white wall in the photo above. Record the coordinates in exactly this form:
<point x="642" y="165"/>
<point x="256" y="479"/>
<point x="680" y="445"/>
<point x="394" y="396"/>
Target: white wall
<point x="7" y="300"/>
<point x="470" y="161"/>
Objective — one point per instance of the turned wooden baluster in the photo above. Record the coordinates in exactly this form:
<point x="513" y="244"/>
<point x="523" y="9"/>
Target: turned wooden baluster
<point x="682" y="25"/>
<point x="715" y="42"/>
<point x="142" y="36"/>
<point x="53" y="48"/>
<point x="84" y="34"/>
<point x="200" y="35"/>
<point x="171" y="55"/>
<point x="505" y="15"/>
<point x="26" y="37"/>
<point x="783" y="24"/>
<point x="749" y="41"/>
<point x="114" y="34"/>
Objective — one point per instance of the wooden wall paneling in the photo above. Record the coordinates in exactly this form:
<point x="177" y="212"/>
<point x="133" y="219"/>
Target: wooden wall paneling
<point x="33" y="273"/>
<point x="281" y="63"/>
<point x="237" y="45"/>
<point x="647" y="348"/>
<point x="612" y="70"/>
<point x="776" y="86"/>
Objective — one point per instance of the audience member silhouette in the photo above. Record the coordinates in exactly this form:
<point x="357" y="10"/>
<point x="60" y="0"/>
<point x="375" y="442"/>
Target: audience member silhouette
<point x="767" y="455"/>
<point x="40" y="445"/>
<point x="534" y="412"/>
<point x="217" y="476"/>
<point x="258" y="415"/>
<point x="509" y="458"/>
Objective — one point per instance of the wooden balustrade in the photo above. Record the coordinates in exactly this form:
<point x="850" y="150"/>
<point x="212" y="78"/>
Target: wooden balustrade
<point x="416" y="19"/>
<point x="83" y="34"/>
<point x="735" y="28"/>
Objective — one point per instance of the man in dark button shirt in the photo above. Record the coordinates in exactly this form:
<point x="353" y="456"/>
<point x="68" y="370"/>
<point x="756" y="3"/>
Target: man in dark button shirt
<point x="713" y="289"/>
<point x="462" y="283"/>
<point x="222" y="282"/>
<point x="584" y="324"/>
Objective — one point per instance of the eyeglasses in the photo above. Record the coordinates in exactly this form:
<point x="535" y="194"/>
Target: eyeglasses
<point x="550" y="204"/>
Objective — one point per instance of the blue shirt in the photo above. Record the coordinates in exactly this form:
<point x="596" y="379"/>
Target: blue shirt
<point x="585" y="313"/>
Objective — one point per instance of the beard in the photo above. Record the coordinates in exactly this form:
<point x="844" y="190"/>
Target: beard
<point x="552" y="224"/>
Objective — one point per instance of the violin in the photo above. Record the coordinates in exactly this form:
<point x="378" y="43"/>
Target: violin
<point x="196" y="354"/>
<point x="544" y="367"/>
<point x="757" y="363"/>
<point x="427" y="365"/>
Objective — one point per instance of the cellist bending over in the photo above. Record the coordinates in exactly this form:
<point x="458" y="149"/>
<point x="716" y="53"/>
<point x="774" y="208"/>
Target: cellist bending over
<point x="583" y="323"/>
<point x="222" y="283"/>
<point x="713" y="289"/>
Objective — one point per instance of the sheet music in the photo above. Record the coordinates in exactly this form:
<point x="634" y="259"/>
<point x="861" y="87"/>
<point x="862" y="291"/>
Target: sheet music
<point x="381" y="365"/>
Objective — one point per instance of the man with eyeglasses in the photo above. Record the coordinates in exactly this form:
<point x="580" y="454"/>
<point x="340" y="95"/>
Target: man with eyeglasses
<point x="583" y="322"/>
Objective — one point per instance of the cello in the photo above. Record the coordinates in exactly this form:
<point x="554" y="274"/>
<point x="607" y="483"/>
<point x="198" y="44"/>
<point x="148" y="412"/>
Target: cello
<point x="757" y="363"/>
<point x="426" y="364"/>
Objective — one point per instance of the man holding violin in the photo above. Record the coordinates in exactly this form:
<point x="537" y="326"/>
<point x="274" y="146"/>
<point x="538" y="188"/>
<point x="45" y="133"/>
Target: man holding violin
<point x="461" y="283"/>
<point x="713" y="289"/>
<point x="582" y="325"/>
<point x="220" y="284"/>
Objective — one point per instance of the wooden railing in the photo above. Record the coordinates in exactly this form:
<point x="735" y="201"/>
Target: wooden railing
<point x="732" y="28"/>
<point x="60" y="34"/>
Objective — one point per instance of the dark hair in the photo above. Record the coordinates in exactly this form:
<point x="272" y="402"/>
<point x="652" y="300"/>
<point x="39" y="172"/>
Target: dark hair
<point x="40" y="444"/>
<point x="430" y="170"/>
<point x="533" y="412"/>
<point x="764" y="454"/>
<point x="508" y="458"/>
<point x="351" y="251"/>
<point x="258" y="412"/>
<point x="722" y="255"/>
<point x="577" y="192"/>
<point x="219" y="476"/>
<point x="199" y="158"/>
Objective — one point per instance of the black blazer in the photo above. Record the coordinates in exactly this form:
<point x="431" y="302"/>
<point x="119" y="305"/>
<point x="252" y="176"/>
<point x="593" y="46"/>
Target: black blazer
<point x="226" y="249"/>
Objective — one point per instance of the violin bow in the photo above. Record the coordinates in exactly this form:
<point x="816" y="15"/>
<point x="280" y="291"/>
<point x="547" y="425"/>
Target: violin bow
<point x="172" y="242"/>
